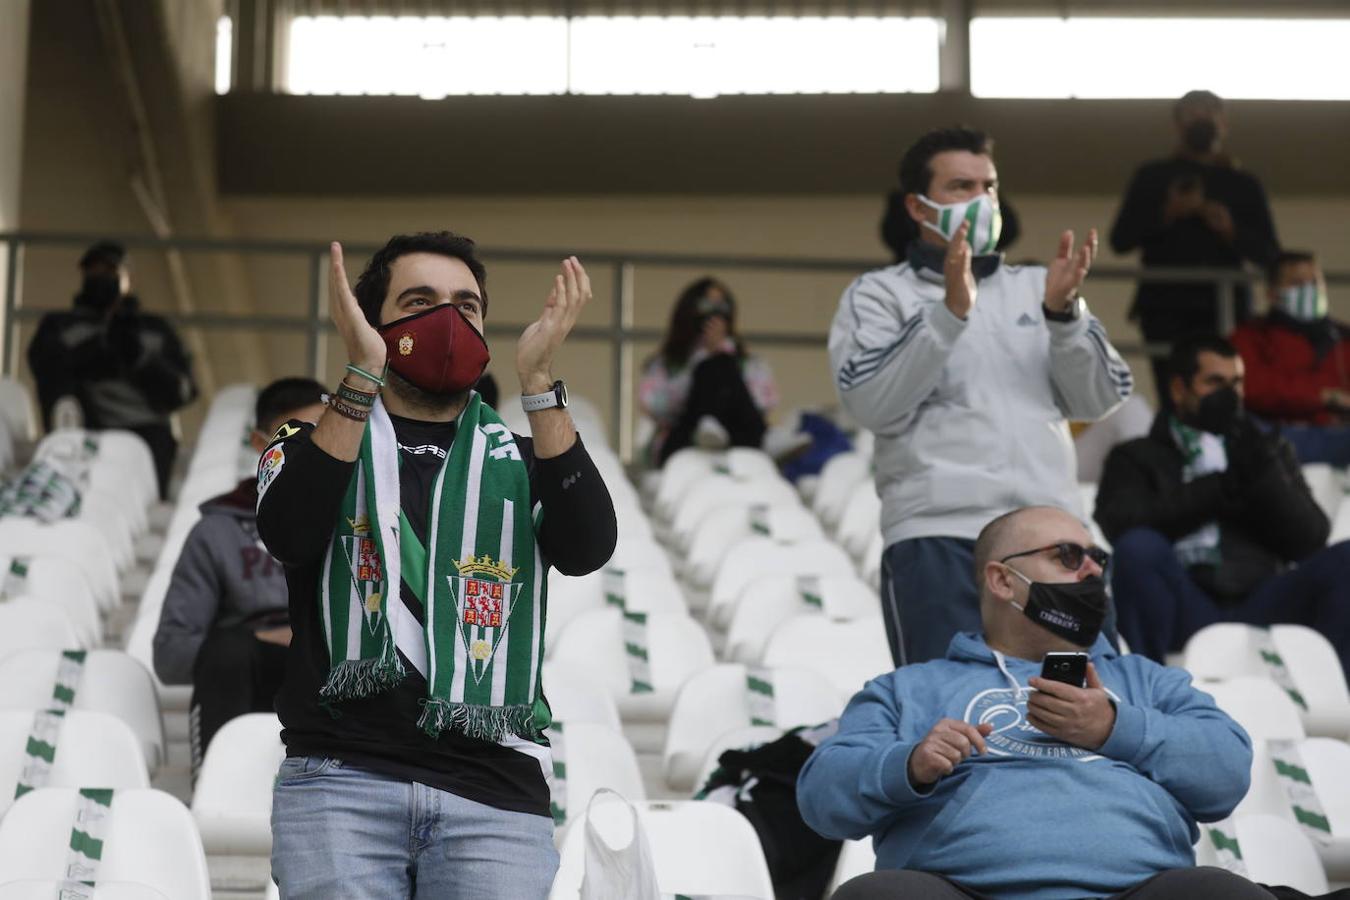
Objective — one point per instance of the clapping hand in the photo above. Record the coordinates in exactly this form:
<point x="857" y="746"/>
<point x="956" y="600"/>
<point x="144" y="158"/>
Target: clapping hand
<point x="541" y="339"/>
<point x="956" y="270"/>
<point x="1065" y="275"/>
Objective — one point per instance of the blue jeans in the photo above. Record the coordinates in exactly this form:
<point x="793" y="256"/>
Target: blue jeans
<point x="343" y="831"/>
<point x="1319" y="443"/>
<point x="1161" y="607"/>
<point x="928" y="596"/>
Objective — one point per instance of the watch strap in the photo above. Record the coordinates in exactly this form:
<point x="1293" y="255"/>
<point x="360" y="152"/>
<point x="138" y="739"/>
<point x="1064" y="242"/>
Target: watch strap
<point x="547" y="400"/>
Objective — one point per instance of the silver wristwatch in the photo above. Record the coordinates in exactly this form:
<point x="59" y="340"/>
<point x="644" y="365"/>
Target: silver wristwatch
<point x="557" y="397"/>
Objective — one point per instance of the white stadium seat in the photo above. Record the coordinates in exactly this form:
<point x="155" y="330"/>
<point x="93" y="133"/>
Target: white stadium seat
<point x="92" y="750"/>
<point x="755" y="557"/>
<point x="232" y="802"/>
<point x="698" y="849"/>
<point x="28" y="623"/>
<point x="111" y="682"/>
<point x="149" y="839"/>
<point x="767" y="601"/>
<point x="840" y="475"/>
<point x="847" y="654"/>
<point x="576" y="695"/>
<point x="593" y="757"/>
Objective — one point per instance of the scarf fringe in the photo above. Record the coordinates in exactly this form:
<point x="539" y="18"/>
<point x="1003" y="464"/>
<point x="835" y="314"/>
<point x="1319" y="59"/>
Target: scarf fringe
<point x="356" y="678"/>
<point x="487" y="723"/>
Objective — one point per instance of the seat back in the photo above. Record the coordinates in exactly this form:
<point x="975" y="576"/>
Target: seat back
<point x="1259" y="706"/>
<point x="755" y="557"/>
<point x="697" y="848"/>
<point x="595" y="641"/>
<point x="149" y="839"/>
<point x="838" y="477"/>
<point x="50" y="579"/>
<point x="92" y="750"/>
<point x="111" y="682"/>
<point x="592" y="757"/>
<point x="232" y="802"/>
<point x="575" y="695"/>
<point x="860" y="519"/>
<point x="1276" y="851"/>
<point x="846" y="654"/>
<point x="27" y="623"/>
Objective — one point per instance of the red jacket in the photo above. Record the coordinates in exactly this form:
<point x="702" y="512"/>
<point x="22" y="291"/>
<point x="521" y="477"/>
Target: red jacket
<point x="1284" y="377"/>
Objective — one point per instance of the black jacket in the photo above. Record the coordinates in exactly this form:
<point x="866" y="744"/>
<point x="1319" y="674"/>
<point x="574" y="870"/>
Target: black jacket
<point x="296" y="516"/>
<point x="127" y="369"/>
<point x="1266" y="514"/>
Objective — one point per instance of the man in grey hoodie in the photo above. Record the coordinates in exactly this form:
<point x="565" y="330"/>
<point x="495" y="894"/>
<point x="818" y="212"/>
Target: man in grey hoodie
<point x="969" y="400"/>
<point x="224" y="626"/>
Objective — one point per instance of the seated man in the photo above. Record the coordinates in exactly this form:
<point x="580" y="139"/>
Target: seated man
<point x="1208" y="514"/>
<point x="224" y="626"/>
<point x="1297" y="362"/>
<point x="978" y="778"/>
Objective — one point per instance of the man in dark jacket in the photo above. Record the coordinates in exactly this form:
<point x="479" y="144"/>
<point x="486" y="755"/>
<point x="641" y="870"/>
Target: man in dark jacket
<point x="125" y="368"/>
<point x="224" y="626"/>
<point x="1194" y="208"/>
<point x="1208" y="515"/>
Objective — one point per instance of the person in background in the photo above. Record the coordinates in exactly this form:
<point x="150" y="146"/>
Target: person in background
<point x="1297" y="362"/>
<point x="703" y="387"/>
<point x="976" y="777"/>
<point x="967" y="370"/>
<point x="224" y="627"/>
<point x="1195" y="208"/>
<point x="126" y="369"/>
<point x="1211" y="519"/>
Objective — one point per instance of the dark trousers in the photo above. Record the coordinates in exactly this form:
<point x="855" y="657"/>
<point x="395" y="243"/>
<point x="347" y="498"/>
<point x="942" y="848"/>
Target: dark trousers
<point x="163" y="448"/>
<point x="718" y="390"/>
<point x="1201" y="883"/>
<point x="235" y="673"/>
<point x="1160" y="606"/>
<point x="928" y="595"/>
<point x="1319" y="443"/>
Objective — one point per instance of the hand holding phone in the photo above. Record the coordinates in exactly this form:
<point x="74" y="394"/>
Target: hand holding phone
<point x="1066" y="668"/>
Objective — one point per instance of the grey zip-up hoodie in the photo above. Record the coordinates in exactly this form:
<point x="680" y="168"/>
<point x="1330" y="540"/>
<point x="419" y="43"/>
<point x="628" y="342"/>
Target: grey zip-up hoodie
<point x="224" y="578"/>
<point x="970" y="415"/>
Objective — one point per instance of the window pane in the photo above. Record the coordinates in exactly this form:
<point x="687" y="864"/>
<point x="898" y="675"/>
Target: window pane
<point x="431" y="57"/>
<point x="702" y="57"/>
<point x="1259" y="59"/>
<point x="224" y="52"/>
<point x="706" y="56"/>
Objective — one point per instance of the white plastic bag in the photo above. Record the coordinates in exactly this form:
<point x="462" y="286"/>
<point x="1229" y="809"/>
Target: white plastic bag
<point x="617" y="873"/>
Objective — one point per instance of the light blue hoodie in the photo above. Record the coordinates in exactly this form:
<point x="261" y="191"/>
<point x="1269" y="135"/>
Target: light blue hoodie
<point x="1033" y="818"/>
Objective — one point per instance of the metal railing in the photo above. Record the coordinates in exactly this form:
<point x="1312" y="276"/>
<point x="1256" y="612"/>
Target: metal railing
<point x="621" y="333"/>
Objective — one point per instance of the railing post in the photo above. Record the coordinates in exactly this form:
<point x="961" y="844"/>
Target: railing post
<point x="9" y="354"/>
<point x="316" y="337"/>
<point x="1226" y="315"/>
<point x="621" y="362"/>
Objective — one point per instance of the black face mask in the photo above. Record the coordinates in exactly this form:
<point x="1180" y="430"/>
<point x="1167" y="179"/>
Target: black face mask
<point x="1072" y="610"/>
<point x="1217" y="411"/>
<point x="1199" y="136"/>
<point x="99" y="292"/>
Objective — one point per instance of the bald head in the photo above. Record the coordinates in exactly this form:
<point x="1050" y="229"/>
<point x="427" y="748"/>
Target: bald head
<point x="1024" y="529"/>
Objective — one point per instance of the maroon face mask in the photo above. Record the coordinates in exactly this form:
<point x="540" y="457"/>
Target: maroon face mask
<point x="437" y="350"/>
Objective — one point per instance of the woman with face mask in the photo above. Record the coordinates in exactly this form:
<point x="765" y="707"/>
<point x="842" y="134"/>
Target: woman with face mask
<point x="1194" y="208"/>
<point x="702" y="387"/>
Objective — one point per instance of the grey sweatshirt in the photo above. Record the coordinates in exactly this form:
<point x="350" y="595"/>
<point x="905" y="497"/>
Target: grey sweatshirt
<point x="970" y="415"/>
<point x="224" y="578"/>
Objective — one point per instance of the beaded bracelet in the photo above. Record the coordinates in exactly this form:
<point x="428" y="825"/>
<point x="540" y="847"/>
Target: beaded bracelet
<point x="357" y="370"/>
<point x="347" y="412"/>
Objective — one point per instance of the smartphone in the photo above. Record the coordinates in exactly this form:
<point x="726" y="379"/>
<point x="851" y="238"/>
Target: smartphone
<point x="1069" y="668"/>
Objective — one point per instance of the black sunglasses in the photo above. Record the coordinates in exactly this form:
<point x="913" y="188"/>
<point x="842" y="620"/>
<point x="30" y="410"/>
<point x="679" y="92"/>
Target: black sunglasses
<point x="1070" y="555"/>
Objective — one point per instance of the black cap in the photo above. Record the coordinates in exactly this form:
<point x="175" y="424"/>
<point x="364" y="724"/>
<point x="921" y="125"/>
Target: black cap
<point x="108" y="252"/>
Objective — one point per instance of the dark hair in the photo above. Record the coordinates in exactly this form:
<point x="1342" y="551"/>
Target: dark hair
<point x="283" y="396"/>
<point x="916" y="170"/>
<point x="1184" y="360"/>
<point x="1207" y="99"/>
<point x="1287" y="258"/>
<point x="105" y="252"/>
<point x="686" y="322"/>
<point x="374" y="281"/>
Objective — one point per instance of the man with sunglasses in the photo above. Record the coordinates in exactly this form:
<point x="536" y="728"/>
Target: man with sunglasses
<point x="1212" y="520"/>
<point x="978" y="778"/>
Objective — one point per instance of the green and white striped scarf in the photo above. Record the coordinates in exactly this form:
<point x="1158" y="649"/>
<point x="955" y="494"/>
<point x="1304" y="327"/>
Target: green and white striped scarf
<point x="479" y="578"/>
<point x="1204" y="454"/>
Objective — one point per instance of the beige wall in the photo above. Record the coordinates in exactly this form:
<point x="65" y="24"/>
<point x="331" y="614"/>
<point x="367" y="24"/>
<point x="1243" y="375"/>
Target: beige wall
<point x="839" y="226"/>
<point x="13" y="82"/>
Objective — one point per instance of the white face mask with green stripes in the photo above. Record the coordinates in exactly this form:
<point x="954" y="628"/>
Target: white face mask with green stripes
<point x="1306" y="302"/>
<point x="986" y="224"/>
